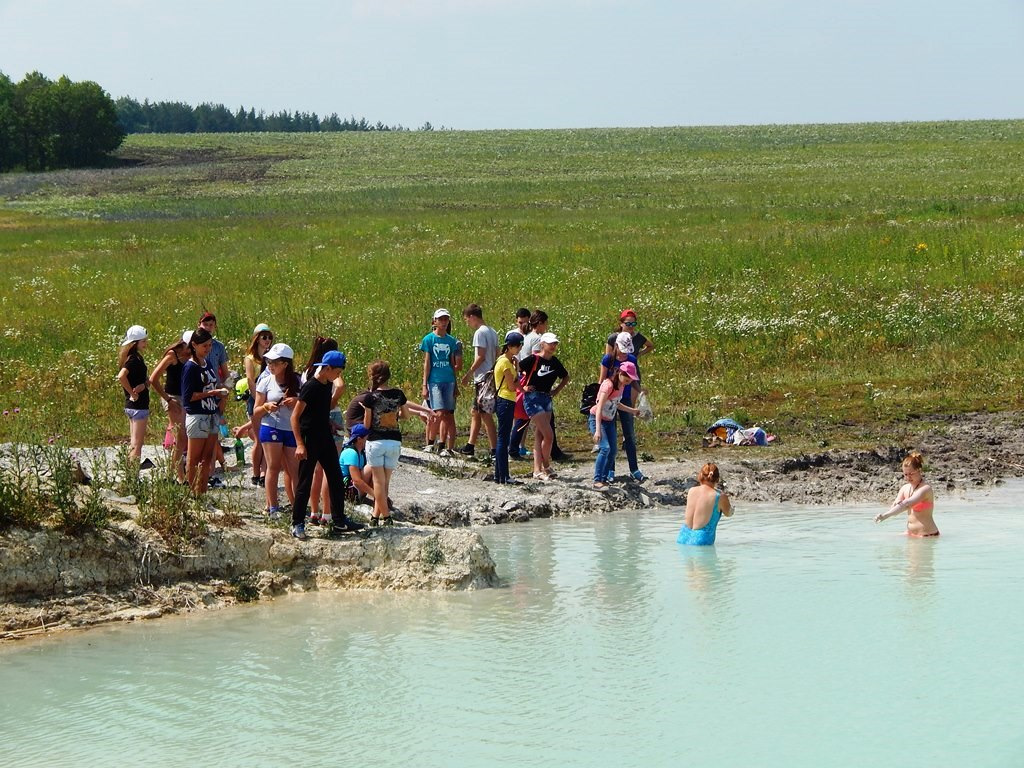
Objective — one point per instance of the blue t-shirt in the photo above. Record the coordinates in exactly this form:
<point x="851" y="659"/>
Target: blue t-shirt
<point x="218" y="357"/>
<point x="612" y="364"/>
<point x="350" y="457"/>
<point x="196" y="378"/>
<point x="442" y="350"/>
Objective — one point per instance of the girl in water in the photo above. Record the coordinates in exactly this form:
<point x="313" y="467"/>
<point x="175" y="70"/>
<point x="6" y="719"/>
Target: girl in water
<point x="916" y="498"/>
<point x="705" y="504"/>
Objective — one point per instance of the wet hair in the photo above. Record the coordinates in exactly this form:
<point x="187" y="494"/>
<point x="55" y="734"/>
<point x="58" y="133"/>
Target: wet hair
<point x="915" y="461"/>
<point x="199" y="336"/>
<point x="539" y="317"/>
<point x="378" y="372"/>
<point x="709" y="474"/>
<point x="254" y="345"/>
<point x="473" y="310"/>
<point x="321" y="346"/>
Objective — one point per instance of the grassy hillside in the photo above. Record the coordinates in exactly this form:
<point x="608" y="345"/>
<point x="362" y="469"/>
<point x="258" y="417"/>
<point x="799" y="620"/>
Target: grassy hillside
<point x="807" y="277"/>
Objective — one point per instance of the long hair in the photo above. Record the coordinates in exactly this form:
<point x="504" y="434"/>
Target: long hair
<point x="125" y="352"/>
<point x="288" y="379"/>
<point x="254" y="346"/>
<point x="321" y="346"/>
<point x="199" y="336"/>
<point x="379" y="372"/>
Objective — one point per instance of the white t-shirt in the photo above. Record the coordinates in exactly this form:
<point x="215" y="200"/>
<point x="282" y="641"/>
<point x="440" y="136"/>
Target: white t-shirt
<point x="282" y="419"/>
<point x="530" y="344"/>
<point x="485" y="338"/>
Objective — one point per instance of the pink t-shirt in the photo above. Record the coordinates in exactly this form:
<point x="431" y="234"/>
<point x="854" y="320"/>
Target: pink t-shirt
<point x="611" y="405"/>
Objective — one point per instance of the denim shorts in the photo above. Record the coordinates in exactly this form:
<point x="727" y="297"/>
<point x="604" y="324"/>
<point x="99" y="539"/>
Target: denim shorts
<point x="282" y="436"/>
<point x="442" y="395"/>
<point x="537" y="402"/>
<point x="199" y="426"/>
<point x="135" y="414"/>
<point x="383" y="453"/>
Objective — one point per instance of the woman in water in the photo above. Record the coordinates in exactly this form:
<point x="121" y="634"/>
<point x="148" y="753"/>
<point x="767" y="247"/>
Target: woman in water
<point x="916" y="498"/>
<point x="705" y="504"/>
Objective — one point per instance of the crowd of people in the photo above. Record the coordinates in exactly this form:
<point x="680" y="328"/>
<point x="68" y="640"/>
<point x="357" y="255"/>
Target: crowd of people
<point x="326" y="456"/>
<point x="299" y="431"/>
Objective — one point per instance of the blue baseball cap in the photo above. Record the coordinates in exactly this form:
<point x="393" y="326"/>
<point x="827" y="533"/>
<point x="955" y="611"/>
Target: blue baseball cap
<point x="357" y="431"/>
<point x="514" y="339"/>
<point x="333" y="359"/>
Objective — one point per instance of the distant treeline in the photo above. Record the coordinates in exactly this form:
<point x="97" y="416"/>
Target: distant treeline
<point x="177" y="117"/>
<point x="63" y="124"/>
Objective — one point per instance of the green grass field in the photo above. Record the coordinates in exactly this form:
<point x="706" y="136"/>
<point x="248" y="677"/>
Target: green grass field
<point x="827" y="281"/>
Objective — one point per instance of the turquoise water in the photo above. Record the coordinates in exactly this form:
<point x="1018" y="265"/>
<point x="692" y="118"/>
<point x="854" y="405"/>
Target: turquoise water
<point x="806" y="637"/>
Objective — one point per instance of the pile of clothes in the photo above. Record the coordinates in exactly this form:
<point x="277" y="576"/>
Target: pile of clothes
<point x="731" y="432"/>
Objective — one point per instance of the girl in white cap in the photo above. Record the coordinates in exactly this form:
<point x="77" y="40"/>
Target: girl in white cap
<point x="538" y="374"/>
<point x="134" y="379"/>
<point x="277" y="391"/>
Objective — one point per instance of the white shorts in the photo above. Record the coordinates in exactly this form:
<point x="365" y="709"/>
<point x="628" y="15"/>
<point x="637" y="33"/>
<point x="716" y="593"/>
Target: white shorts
<point x="383" y="453"/>
<point x="201" y="426"/>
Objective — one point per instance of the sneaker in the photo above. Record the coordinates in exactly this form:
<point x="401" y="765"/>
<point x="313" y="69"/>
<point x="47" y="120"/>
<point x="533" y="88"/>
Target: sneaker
<point x="523" y="451"/>
<point x="216" y="482"/>
<point x="561" y="456"/>
<point x="263" y="482"/>
<point x="639" y="476"/>
<point x="429" y="448"/>
<point x="516" y="457"/>
<point x="388" y="521"/>
<point x="468" y="450"/>
<point x="611" y="478"/>
<point x="146" y="464"/>
<point x="274" y="513"/>
<point x="488" y="478"/>
<point x="350" y="526"/>
<point x="444" y="453"/>
<point x="374" y="521"/>
<point x="313" y="520"/>
<point x="299" y="532"/>
<point x="256" y="481"/>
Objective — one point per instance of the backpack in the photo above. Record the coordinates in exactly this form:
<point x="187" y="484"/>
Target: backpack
<point x="588" y="399"/>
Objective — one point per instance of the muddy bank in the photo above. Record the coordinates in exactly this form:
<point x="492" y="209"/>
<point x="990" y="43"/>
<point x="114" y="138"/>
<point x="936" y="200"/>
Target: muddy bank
<point x="50" y="581"/>
<point x="961" y="453"/>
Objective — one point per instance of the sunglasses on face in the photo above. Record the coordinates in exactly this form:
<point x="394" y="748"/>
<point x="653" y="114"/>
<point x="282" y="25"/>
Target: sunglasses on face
<point x="630" y="325"/>
<point x="267" y="336"/>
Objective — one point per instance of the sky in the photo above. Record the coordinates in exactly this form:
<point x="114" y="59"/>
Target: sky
<point x="490" y="64"/>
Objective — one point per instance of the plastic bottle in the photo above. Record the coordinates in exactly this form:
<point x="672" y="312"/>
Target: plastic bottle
<point x="239" y="452"/>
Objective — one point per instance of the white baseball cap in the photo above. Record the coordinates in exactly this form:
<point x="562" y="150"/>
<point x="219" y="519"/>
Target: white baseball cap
<point x="624" y="342"/>
<point x="261" y="328"/>
<point x="442" y="313"/>
<point x="548" y="338"/>
<point x="279" y="351"/>
<point x="135" y="333"/>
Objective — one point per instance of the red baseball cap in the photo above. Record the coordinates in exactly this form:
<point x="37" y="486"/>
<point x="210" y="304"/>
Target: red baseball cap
<point x="626" y="313"/>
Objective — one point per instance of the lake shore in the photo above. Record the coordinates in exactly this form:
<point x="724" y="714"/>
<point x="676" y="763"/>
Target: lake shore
<point x="52" y="583"/>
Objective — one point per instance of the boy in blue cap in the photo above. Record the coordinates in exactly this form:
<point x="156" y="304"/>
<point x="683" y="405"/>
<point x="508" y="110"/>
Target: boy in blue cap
<point x="314" y="444"/>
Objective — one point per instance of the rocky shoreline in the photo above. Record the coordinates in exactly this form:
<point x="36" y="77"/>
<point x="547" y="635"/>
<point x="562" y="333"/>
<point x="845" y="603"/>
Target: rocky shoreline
<point x="51" y="582"/>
